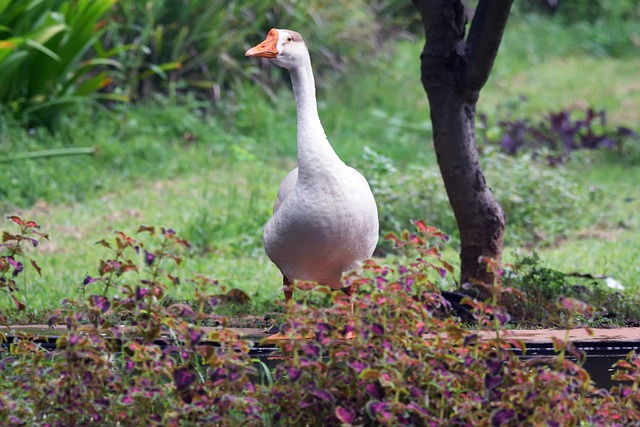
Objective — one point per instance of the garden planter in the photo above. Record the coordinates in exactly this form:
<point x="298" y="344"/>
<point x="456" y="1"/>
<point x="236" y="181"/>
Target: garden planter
<point x="603" y="347"/>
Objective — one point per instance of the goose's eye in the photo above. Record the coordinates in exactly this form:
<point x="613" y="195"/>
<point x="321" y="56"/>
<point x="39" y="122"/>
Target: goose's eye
<point x="289" y="39"/>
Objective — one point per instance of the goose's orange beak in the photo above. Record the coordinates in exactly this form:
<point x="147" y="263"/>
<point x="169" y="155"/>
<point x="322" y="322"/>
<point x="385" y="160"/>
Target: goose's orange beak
<point x="268" y="48"/>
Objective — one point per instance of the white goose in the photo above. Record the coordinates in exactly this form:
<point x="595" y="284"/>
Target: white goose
<point x="325" y="219"/>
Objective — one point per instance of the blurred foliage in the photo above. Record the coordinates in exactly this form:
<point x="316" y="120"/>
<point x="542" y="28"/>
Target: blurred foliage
<point x="559" y="133"/>
<point x="131" y="143"/>
<point x="539" y="201"/>
<point x="49" y="49"/>
<point x="542" y="203"/>
<point x="57" y="52"/>
<point x="42" y="64"/>
<point x="600" y="27"/>
<point x="585" y="10"/>
<point x="175" y="45"/>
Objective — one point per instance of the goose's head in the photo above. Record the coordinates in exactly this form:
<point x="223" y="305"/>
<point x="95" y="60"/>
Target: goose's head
<point x="284" y="48"/>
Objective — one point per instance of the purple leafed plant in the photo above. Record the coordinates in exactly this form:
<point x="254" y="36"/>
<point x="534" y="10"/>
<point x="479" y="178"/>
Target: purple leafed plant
<point x="560" y="133"/>
<point x="396" y="360"/>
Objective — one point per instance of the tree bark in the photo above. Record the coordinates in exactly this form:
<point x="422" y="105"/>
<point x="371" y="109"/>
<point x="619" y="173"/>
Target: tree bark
<point x="454" y="69"/>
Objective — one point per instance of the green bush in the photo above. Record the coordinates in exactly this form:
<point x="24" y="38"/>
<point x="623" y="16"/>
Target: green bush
<point x="52" y="52"/>
<point x="127" y="143"/>
<point x="541" y="287"/>
<point x="198" y="46"/>
<point x="42" y="63"/>
<point x="600" y="28"/>
<point x="540" y="202"/>
<point x="584" y="10"/>
<point x="599" y="10"/>
<point x="408" y="194"/>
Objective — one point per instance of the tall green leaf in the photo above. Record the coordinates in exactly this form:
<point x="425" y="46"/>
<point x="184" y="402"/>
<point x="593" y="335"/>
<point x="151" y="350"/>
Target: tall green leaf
<point x="43" y="47"/>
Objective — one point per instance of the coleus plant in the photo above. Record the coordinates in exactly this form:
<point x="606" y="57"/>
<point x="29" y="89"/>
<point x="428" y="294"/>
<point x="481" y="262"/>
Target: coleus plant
<point x="404" y="363"/>
<point x="13" y="256"/>
<point x="407" y="365"/>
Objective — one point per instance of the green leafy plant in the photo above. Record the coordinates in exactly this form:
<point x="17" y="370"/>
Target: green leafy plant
<point x="42" y="56"/>
<point x="599" y="28"/>
<point x="198" y="46"/>
<point x="542" y="287"/>
<point x="407" y="194"/>
<point x="539" y="201"/>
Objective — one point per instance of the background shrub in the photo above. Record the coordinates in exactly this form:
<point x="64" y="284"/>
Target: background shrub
<point x="198" y="46"/>
<point x="586" y="10"/>
<point x="600" y="27"/>
<point x="541" y="288"/>
<point x="43" y="67"/>
<point x="541" y="203"/>
<point x="54" y="53"/>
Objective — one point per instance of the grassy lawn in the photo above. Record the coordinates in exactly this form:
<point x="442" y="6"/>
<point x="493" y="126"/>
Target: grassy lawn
<point x="213" y="180"/>
<point x="610" y="246"/>
<point x="197" y="206"/>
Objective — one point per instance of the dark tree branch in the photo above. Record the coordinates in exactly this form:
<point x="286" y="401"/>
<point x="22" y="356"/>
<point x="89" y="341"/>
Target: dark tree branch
<point x="444" y="25"/>
<point x="484" y="38"/>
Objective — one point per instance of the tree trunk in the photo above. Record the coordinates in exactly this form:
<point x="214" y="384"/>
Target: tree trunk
<point x="453" y="72"/>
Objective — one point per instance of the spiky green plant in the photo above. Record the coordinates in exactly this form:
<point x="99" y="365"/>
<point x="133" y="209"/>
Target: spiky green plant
<point x="174" y="46"/>
<point x="42" y="62"/>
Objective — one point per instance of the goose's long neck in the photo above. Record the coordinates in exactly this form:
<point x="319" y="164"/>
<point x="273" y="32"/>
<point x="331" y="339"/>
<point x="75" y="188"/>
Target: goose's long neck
<point x="314" y="150"/>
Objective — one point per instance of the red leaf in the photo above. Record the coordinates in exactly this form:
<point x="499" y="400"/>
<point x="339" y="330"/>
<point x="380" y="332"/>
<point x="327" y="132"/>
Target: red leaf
<point x="7" y="237"/>
<point x="421" y="226"/>
<point x="36" y="266"/>
<point x="147" y="229"/>
<point x="105" y="267"/>
<point x="394" y="239"/>
<point x="448" y="266"/>
<point x="16" y="219"/>
<point x="103" y="243"/>
<point x="119" y="243"/>
<point x="183" y="242"/>
<point x="20" y="306"/>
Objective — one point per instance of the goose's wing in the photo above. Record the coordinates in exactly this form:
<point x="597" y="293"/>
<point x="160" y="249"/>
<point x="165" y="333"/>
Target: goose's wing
<point x="286" y="188"/>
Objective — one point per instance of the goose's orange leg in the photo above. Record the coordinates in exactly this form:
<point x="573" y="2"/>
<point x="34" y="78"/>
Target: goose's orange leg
<point x="288" y="289"/>
<point x="288" y="294"/>
<point x="349" y="291"/>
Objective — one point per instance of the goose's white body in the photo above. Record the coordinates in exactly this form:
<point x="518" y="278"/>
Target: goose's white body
<point x="325" y="219"/>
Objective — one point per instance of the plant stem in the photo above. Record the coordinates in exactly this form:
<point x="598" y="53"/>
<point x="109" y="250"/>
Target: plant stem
<point x="56" y="152"/>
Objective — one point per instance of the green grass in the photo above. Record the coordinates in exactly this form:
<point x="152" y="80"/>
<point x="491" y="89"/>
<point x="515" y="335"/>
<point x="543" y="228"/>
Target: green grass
<point x="211" y="208"/>
<point x="610" y="246"/>
<point x="213" y="178"/>
<point x="568" y="82"/>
